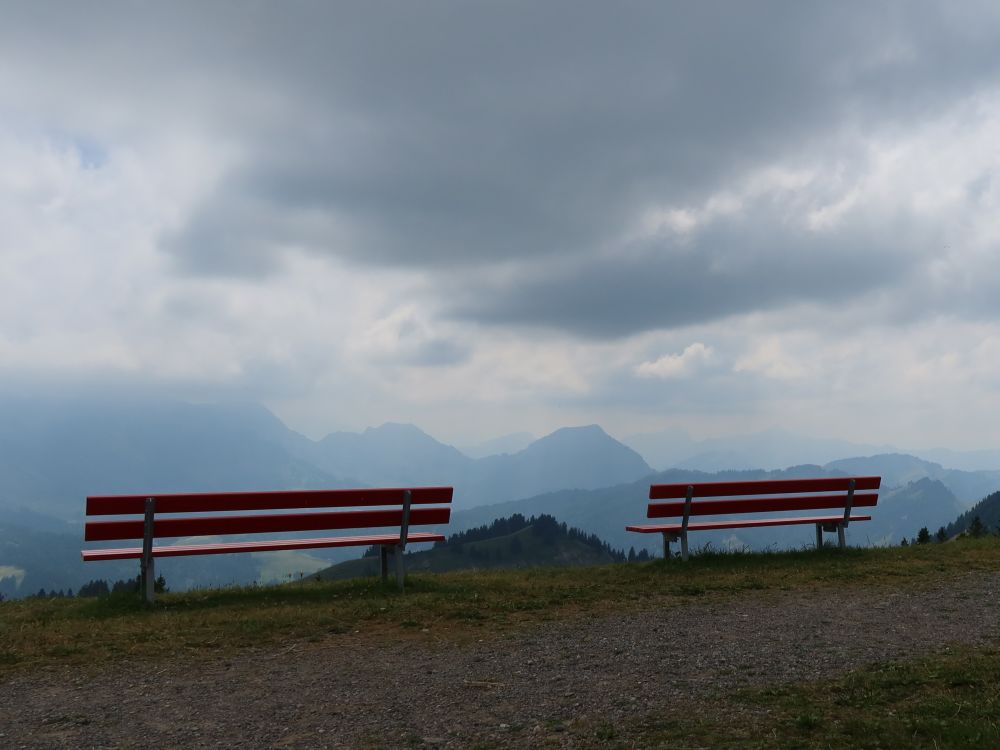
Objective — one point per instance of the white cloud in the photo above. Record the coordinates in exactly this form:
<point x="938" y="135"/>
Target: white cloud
<point x="688" y="362"/>
<point x="404" y="337"/>
<point x="770" y="359"/>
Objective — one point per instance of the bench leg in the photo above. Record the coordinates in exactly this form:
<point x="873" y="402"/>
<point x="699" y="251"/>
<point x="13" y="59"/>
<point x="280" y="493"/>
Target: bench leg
<point x="147" y="566"/>
<point x="383" y="558"/>
<point x="819" y="536"/>
<point x="666" y="546"/>
<point x="399" y="566"/>
<point x="147" y="579"/>
<point x="840" y="536"/>
<point x="684" y="546"/>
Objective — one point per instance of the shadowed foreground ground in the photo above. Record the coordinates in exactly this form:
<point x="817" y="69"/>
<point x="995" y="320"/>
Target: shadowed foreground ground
<point x="581" y="681"/>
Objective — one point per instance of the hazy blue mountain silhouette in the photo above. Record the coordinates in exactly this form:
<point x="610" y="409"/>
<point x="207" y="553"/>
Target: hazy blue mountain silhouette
<point x="389" y="455"/>
<point x="899" y="469"/>
<point x="395" y="454"/>
<point x="901" y="511"/>
<point x="777" y="449"/>
<point x="770" y="449"/>
<point x="55" y="452"/>
<point x="512" y="443"/>
<point x="572" y="457"/>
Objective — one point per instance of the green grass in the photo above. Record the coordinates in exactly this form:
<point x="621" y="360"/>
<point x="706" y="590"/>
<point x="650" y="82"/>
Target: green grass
<point x="199" y="624"/>
<point x="947" y="700"/>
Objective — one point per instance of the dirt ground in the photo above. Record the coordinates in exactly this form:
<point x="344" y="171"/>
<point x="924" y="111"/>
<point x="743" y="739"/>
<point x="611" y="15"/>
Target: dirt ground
<point x="523" y="689"/>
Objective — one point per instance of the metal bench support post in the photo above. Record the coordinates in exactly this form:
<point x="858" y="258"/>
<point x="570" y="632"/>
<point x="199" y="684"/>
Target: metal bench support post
<point x="383" y="557"/>
<point x="404" y="529"/>
<point x="847" y="515"/>
<point x="684" y="524"/>
<point x="147" y="566"/>
<point x="819" y="536"/>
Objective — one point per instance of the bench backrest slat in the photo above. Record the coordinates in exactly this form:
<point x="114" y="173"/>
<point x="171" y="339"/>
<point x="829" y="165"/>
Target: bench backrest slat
<point x="761" y="487"/>
<point x="208" y="502"/>
<point x="98" y="531"/>
<point x="760" y="505"/>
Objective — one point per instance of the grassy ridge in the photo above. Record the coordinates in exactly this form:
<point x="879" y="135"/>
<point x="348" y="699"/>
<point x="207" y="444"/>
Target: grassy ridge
<point x="36" y="633"/>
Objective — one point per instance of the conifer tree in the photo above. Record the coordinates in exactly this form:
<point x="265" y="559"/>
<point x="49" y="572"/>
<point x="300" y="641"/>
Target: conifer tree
<point x="976" y="528"/>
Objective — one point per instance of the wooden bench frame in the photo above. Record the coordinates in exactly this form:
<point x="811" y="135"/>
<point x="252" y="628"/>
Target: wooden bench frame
<point x="356" y="509"/>
<point x="704" y="499"/>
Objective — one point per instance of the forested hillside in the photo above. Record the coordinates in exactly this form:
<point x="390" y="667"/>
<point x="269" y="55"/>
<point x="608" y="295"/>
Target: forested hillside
<point x="514" y="542"/>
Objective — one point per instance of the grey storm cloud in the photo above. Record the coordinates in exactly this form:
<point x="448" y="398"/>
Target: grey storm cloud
<point x="452" y="137"/>
<point x="435" y="135"/>
<point x="736" y="266"/>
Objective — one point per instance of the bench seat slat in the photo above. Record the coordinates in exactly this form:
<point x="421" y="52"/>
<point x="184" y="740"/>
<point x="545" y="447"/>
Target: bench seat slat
<point x="103" y="531"/>
<point x="209" y="502"/>
<point x="219" y="548"/>
<point x="761" y="487"/>
<point x="737" y="523"/>
<point x="760" y="505"/>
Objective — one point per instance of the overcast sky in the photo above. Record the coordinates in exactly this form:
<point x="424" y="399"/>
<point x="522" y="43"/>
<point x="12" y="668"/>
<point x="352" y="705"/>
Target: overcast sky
<point x="490" y="217"/>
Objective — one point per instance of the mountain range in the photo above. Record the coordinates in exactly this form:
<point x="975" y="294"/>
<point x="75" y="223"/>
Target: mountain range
<point x="769" y="449"/>
<point x="397" y="454"/>
<point x="54" y="452"/>
<point x="901" y="511"/>
<point x="778" y="449"/>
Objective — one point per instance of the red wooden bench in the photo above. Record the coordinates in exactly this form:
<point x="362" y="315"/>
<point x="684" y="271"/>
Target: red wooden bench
<point x="767" y="496"/>
<point x="248" y="513"/>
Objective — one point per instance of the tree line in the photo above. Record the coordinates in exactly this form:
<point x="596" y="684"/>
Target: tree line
<point x="986" y="510"/>
<point x="99" y="587"/>
<point x="974" y="528"/>
<point x="544" y="526"/>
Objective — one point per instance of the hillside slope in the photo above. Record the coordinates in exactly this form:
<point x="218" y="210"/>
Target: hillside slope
<point x="987" y="510"/>
<point x="515" y="542"/>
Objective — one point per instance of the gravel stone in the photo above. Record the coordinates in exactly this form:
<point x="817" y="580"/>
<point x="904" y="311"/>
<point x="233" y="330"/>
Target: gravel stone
<point x="515" y="690"/>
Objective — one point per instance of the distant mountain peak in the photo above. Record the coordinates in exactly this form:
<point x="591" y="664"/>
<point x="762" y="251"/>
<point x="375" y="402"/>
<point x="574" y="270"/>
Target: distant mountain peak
<point x="588" y="454"/>
<point x="585" y="428"/>
<point x="511" y="443"/>
<point x="395" y="428"/>
<point x="590" y="431"/>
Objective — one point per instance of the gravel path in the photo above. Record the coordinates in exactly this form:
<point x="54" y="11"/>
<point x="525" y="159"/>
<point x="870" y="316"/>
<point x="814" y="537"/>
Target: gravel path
<point x="519" y="690"/>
